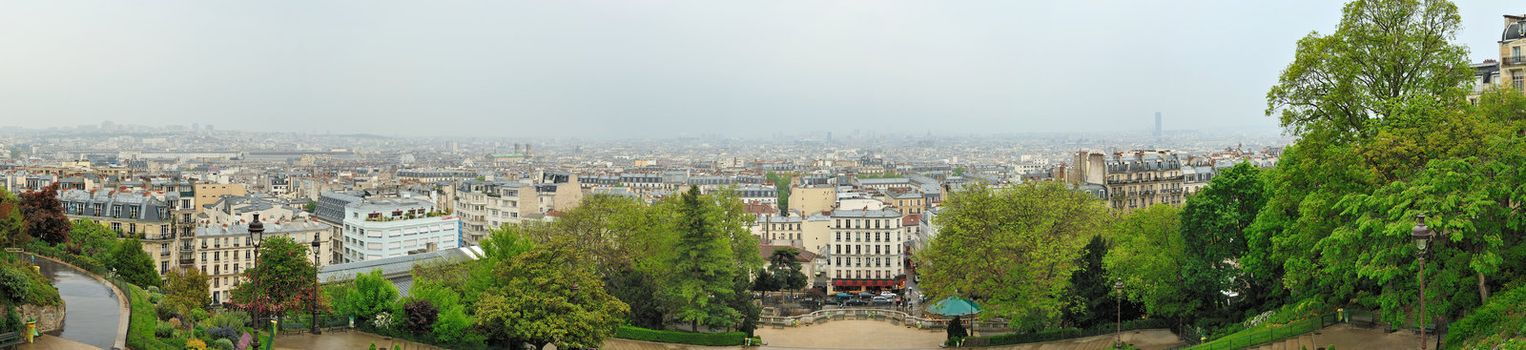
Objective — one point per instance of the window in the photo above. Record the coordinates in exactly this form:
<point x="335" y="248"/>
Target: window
<point x="1516" y="80"/>
<point x="1515" y="54"/>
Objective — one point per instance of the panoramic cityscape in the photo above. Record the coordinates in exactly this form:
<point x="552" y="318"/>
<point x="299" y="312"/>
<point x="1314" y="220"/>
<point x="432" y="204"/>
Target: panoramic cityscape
<point x="790" y="175"/>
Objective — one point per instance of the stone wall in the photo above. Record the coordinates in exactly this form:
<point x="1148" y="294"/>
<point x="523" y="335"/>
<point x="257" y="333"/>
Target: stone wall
<point x="49" y="318"/>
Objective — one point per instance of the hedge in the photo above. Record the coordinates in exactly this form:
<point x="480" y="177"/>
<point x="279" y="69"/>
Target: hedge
<point x="660" y="336"/>
<point x="1492" y="324"/>
<point x="1061" y="333"/>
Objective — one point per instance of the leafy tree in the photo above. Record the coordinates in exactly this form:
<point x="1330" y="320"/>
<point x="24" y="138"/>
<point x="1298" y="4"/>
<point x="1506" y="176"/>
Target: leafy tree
<point x="782" y="185"/>
<point x="368" y="295"/>
<point x="765" y="282"/>
<point x="90" y="238"/>
<point x="1092" y="300"/>
<point x="1147" y="255"/>
<point x="44" y="215"/>
<point x="281" y="280"/>
<point x="1387" y="59"/>
<point x="12" y="228"/>
<point x="548" y="295"/>
<point x="421" y="316"/>
<point x="1013" y="249"/>
<point x="1213" y="229"/>
<point x="133" y="264"/>
<point x="185" y="290"/>
<point x="704" y="269"/>
<point x="311" y="206"/>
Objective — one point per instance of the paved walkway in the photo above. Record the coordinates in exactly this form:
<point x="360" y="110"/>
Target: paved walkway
<point x="95" y="312"/>
<point x="1346" y="337"/>
<point x="48" y="342"/>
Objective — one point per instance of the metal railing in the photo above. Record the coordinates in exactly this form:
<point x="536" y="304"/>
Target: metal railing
<point x="892" y="316"/>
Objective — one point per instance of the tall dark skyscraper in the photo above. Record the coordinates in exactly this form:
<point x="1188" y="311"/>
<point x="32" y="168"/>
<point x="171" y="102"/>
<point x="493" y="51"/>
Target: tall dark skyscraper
<point x="1157" y="126"/>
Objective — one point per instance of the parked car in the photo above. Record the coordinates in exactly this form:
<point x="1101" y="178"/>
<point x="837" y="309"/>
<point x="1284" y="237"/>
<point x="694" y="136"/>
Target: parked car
<point x="887" y="294"/>
<point x="855" y="302"/>
<point x="880" y="301"/>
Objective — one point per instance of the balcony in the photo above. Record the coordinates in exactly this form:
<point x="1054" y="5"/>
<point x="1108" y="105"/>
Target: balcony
<point x="1516" y="60"/>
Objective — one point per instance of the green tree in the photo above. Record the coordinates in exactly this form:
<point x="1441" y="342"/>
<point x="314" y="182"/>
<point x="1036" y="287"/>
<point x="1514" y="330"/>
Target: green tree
<point x="782" y="185"/>
<point x="704" y="269"/>
<point x="1147" y="255"/>
<point x="1213" y="227"/>
<point x="784" y="267"/>
<point x="1386" y="60"/>
<point x="44" y="215"/>
<point x="12" y="228"/>
<point x="133" y="264"/>
<point x="1091" y="298"/>
<point x="281" y="280"/>
<point x="368" y="295"/>
<point x="185" y="290"/>
<point x="91" y="239"/>
<point x="1013" y="250"/>
<point x="549" y="295"/>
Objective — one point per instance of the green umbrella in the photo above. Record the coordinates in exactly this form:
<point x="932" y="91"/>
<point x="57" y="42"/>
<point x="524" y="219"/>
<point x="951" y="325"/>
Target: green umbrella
<point x="954" y="306"/>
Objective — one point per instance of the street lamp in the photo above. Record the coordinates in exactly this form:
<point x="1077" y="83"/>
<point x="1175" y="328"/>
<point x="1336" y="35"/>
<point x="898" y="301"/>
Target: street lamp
<point x="256" y="234"/>
<point x="315" y="329"/>
<point x="1422" y="237"/>
<point x="1118" y="311"/>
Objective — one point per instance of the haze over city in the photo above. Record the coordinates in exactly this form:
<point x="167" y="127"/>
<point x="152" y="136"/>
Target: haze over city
<point x="660" y="68"/>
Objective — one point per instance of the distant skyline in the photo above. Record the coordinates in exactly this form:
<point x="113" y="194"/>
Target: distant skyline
<point x="662" y="68"/>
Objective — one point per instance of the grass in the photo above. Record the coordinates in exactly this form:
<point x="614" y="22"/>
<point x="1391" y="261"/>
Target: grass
<point x="141" y="322"/>
<point x="653" y="335"/>
<point x="1263" y="334"/>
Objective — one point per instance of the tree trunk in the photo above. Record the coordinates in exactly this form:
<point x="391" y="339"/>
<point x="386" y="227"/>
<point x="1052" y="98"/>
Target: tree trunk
<point x="1483" y="289"/>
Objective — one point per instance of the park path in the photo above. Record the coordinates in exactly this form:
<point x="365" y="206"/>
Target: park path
<point x="95" y="313"/>
<point x="1346" y="337"/>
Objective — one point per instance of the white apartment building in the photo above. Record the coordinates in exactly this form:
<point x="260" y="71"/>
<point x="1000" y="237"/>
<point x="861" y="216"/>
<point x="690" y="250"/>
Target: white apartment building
<point x="866" y="250"/>
<point x="390" y="227"/>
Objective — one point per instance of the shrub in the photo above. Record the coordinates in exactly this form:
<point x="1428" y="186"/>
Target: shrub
<point x="164" y="330"/>
<point x="155" y="298"/>
<point x="195" y="344"/>
<point x="222" y="333"/>
<point x="162" y="312"/>
<point x="141" y="322"/>
<point x="228" y="319"/>
<point x="711" y="339"/>
<point x="222" y="344"/>
<point x="421" y="316"/>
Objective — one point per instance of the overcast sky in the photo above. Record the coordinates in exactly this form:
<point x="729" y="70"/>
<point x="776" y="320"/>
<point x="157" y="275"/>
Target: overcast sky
<point x="658" y="68"/>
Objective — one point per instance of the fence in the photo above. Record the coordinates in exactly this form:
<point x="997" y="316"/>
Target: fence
<point x="892" y="316"/>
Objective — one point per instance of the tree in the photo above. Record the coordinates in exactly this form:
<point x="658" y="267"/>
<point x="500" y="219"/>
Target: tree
<point x="311" y="206"/>
<point x="44" y="215"/>
<point x="185" y="290"/>
<point x="12" y="228"/>
<point x="784" y="266"/>
<point x="1091" y="299"/>
<point x="1387" y="59"/>
<point x="704" y="269"/>
<point x="782" y="186"/>
<point x="765" y="282"/>
<point x="421" y="316"/>
<point x="88" y="238"/>
<point x="548" y="295"/>
<point x="1147" y="255"/>
<point x="370" y="294"/>
<point x="281" y="280"/>
<point x="133" y="264"/>
<point x="1013" y="249"/>
<point x="1213" y="229"/>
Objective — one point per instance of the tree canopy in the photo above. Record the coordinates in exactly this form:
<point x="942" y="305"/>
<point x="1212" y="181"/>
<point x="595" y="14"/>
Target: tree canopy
<point x="281" y="280"/>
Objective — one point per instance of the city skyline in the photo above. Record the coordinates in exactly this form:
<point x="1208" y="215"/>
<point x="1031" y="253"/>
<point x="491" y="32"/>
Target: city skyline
<point x="672" y="69"/>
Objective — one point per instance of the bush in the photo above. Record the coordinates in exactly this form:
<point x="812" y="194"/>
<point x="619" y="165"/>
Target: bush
<point x="222" y="344"/>
<point x="222" y="333"/>
<point x="195" y="344"/>
<point x="1491" y="324"/>
<point x="711" y="339"/>
<point x="162" y="312"/>
<point x="164" y="330"/>
<point x="155" y="298"/>
<point x="228" y="319"/>
<point x="421" y="316"/>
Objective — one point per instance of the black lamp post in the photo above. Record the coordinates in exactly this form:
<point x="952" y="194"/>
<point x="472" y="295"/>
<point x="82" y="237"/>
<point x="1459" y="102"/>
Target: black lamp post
<point x="315" y="285"/>
<point x="1422" y="237"/>
<point x="256" y="235"/>
<point x="1118" y="311"/>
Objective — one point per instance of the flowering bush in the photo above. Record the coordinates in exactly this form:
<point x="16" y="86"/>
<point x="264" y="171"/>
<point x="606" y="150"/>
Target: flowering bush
<point x="383" y="320"/>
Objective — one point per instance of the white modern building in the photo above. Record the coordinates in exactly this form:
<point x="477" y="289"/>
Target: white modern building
<point x="390" y="227"/>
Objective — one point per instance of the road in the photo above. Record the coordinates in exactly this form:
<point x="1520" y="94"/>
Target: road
<point x="92" y="309"/>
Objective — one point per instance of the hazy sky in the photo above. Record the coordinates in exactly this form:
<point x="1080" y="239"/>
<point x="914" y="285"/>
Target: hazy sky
<point x="658" y="68"/>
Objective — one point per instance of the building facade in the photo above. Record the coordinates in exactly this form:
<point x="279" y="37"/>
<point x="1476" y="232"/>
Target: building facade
<point x="382" y="228"/>
<point x="866" y="251"/>
<point x="1143" y="178"/>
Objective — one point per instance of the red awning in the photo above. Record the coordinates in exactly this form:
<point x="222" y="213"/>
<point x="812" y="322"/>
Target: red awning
<point x="866" y="282"/>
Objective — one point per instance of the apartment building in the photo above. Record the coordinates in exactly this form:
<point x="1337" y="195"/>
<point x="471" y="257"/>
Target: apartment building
<point x="866" y="251"/>
<point x="390" y="227"/>
<point x="1512" y="64"/>
<point x="224" y="251"/>
<point x="1142" y="178"/>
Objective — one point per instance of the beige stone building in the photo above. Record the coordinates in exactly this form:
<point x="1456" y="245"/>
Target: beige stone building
<point x="1512" y="64"/>
<point x="209" y="193"/>
<point x="808" y="200"/>
<point x="1142" y="178"/>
